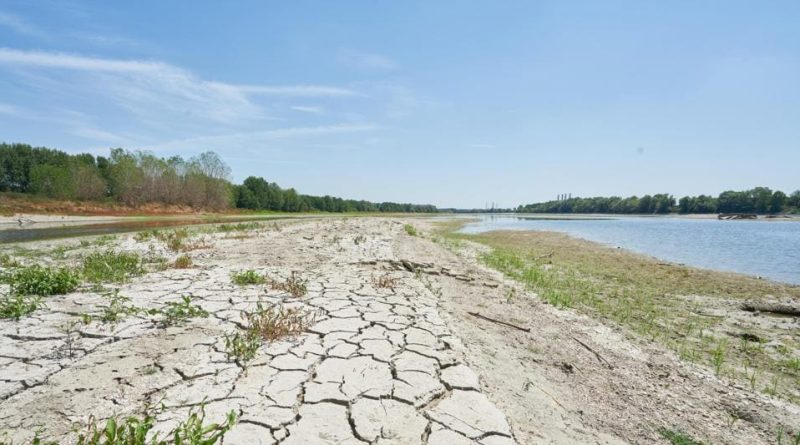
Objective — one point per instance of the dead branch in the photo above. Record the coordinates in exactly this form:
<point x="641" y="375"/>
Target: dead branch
<point x="479" y="315"/>
<point x="596" y="354"/>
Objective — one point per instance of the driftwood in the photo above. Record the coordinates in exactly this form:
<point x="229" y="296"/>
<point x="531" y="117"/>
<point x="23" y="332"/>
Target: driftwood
<point x="596" y="354"/>
<point x="772" y="308"/>
<point x="737" y="216"/>
<point x="479" y="315"/>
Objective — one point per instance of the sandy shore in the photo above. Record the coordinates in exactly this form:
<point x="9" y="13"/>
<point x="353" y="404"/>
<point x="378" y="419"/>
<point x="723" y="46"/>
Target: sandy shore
<point x="402" y="363"/>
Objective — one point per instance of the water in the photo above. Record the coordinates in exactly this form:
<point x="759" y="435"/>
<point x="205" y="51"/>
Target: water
<point x="33" y="233"/>
<point x="770" y="249"/>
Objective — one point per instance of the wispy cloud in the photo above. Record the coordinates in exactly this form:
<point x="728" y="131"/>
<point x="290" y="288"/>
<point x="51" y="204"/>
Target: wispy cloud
<point x="142" y="86"/>
<point x="20" y="25"/>
<point x="307" y="109"/>
<point x="366" y="61"/>
<point x="298" y="90"/>
<point x="240" y="139"/>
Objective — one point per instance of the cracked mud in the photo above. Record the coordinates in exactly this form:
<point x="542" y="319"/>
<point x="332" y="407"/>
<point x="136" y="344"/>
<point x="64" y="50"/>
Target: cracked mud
<point x="377" y="365"/>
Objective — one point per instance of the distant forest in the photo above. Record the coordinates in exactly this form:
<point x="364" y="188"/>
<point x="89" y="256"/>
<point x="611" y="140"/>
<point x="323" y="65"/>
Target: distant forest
<point x="760" y="200"/>
<point x="138" y="177"/>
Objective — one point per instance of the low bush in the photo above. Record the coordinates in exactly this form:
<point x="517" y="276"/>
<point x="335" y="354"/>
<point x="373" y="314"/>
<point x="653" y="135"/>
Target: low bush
<point x="42" y="281"/>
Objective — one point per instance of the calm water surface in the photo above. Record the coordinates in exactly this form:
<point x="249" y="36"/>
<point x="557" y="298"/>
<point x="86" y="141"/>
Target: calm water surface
<point x="769" y="249"/>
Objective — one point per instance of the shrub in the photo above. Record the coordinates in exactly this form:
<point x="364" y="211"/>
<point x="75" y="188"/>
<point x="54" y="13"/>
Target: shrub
<point x="411" y="230"/>
<point x="42" y="281"/>
<point x="110" y="266"/>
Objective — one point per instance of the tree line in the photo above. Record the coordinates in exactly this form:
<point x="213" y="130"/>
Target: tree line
<point x="138" y="177"/>
<point x="759" y="200"/>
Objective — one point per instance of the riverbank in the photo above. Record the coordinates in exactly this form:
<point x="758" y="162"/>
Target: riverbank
<point x="390" y="352"/>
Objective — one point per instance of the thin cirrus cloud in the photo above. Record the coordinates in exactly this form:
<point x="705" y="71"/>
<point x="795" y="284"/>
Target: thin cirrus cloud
<point x="20" y="25"/>
<point x="142" y="86"/>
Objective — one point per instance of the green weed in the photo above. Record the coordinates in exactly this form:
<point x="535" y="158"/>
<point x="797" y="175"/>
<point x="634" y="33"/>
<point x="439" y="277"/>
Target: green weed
<point x="177" y="313"/>
<point x="110" y="266"/>
<point x="247" y="277"/>
<point x="242" y="346"/>
<point x="678" y="437"/>
<point x="42" y="281"/>
<point x="411" y="230"/>
<point x="17" y="306"/>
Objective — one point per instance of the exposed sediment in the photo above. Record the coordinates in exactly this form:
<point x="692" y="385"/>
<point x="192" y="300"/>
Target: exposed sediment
<point x="377" y="365"/>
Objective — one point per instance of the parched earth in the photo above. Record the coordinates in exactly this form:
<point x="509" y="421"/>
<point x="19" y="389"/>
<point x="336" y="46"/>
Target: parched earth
<point x="378" y="364"/>
<point x="394" y="353"/>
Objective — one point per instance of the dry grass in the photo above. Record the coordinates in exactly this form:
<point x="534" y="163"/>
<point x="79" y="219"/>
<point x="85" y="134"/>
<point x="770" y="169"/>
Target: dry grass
<point x="276" y="322"/>
<point x="384" y="282"/>
<point x="294" y="285"/>
<point x="183" y="262"/>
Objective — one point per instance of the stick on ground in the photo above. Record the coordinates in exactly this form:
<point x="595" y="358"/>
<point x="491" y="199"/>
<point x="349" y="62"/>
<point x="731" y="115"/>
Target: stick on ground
<point x="477" y="314"/>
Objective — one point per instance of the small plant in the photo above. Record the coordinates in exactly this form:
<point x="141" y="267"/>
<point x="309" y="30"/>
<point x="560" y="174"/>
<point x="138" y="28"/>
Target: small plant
<point x="384" y="282"/>
<point x="411" y="230"/>
<point x="295" y="285"/>
<point x="359" y="239"/>
<point x="242" y="346"/>
<point x="678" y="437"/>
<point x="176" y="313"/>
<point x="718" y="356"/>
<point x="69" y="341"/>
<point x="117" y="308"/>
<point x="511" y="295"/>
<point x="17" y="306"/>
<point x="272" y="323"/>
<point x="183" y="262"/>
<point x="793" y="439"/>
<point x="110" y="266"/>
<point x="42" y="281"/>
<point x="8" y="261"/>
<point x="247" y="277"/>
<point x="135" y="431"/>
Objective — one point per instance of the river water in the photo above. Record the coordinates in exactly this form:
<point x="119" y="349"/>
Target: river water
<point x="769" y="249"/>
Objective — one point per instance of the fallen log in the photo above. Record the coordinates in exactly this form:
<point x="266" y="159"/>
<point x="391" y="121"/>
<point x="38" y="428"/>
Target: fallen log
<point x="504" y="323"/>
<point x="772" y="308"/>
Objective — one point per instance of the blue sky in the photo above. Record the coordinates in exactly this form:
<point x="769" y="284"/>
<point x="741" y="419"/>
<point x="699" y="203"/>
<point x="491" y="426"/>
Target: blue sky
<point x="455" y="103"/>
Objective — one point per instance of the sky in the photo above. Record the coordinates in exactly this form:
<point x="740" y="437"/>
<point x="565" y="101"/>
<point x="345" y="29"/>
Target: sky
<point x="452" y="103"/>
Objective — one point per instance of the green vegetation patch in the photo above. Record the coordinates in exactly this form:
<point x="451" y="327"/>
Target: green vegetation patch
<point x="42" y="281"/>
<point x="110" y="266"/>
<point x="247" y="277"/>
<point x="137" y="430"/>
<point x="678" y="438"/>
<point x="411" y="230"/>
<point x="18" y="306"/>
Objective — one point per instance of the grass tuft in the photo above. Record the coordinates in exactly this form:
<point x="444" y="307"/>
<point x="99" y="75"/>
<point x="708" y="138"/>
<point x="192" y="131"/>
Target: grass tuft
<point x="411" y="230"/>
<point x="183" y="262"/>
<point x="294" y="285"/>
